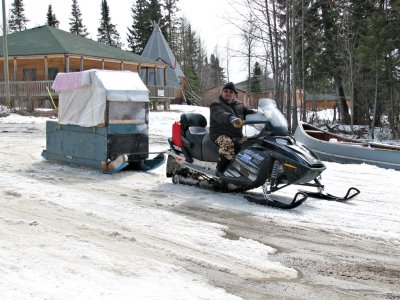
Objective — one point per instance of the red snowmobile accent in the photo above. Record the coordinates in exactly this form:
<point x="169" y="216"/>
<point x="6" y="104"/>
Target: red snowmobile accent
<point x="176" y="134"/>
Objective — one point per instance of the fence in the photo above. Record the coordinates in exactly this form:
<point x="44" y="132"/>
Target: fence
<point x="27" y="88"/>
<point x="158" y="94"/>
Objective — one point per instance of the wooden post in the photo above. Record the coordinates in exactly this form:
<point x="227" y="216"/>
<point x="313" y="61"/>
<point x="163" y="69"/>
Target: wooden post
<point x="15" y="69"/>
<point x="155" y="75"/>
<point x="66" y="64"/>
<point x="5" y="55"/>
<point x="46" y="69"/>
<point x="81" y="64"/>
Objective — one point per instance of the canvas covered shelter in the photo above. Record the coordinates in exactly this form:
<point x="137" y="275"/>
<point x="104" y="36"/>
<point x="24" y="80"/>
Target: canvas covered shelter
<point x="83" y="95"/>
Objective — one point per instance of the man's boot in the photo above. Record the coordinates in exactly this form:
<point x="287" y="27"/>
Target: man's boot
<point x="223" y="162"/>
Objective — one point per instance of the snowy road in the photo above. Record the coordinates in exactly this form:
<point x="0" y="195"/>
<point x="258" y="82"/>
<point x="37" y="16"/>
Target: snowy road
<point x="70" y="233"/>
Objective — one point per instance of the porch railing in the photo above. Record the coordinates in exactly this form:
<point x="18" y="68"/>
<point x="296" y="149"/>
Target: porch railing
<point x="38" y="89"/>
<point x="27" y="88"/>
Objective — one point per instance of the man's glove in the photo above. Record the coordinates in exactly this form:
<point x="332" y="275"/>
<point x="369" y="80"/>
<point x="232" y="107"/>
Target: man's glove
<point x="236" y="122"/>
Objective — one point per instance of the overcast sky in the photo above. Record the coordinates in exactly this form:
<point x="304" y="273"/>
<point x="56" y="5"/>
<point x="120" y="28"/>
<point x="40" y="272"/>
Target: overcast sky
<point x="207" y="17"/>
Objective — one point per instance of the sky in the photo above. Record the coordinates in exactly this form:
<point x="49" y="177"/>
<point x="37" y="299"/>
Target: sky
<point x="208" y="18"/>
<point x="72" y="233"/>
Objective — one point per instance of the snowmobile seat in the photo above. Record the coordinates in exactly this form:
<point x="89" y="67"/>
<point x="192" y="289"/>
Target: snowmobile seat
<point x="194" y="128"/>
<point x="193" y="119"/>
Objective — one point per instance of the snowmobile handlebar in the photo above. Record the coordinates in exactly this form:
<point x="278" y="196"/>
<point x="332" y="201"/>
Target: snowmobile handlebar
<point x="255" y="122"/>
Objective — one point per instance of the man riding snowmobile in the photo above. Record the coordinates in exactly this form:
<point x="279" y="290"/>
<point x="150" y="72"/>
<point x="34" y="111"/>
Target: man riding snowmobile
<point x="270" y="158"/>
<point x="226" y="122"/>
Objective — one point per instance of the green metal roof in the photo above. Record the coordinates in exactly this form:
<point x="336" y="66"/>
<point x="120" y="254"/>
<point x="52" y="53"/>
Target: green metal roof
<point x="47" y="40"/>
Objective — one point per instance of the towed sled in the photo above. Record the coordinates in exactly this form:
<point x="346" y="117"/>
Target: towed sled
<point x="103" y="122"/>
<point x="270" y="159"/>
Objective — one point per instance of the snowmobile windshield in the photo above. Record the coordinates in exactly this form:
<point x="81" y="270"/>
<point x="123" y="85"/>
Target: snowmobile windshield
<point x="270" y="117"/>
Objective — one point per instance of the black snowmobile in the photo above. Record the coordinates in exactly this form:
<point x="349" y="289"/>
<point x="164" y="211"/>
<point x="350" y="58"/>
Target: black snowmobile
<point x="270" y="159"/>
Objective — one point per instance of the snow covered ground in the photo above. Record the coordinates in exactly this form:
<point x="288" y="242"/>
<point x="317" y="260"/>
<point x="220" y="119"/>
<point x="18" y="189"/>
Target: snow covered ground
<point x="72" y="233"/>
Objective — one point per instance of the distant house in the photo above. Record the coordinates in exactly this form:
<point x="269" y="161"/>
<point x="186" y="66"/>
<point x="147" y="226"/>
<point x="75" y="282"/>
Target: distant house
<point x="322" y="101"/>
<point x="36" y="55"/>
<point x="266" y="86"/>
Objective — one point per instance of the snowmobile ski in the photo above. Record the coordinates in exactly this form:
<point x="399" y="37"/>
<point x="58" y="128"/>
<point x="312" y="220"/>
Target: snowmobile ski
<point x="298" y="199"/>
<point x="153" y="163"/>
<point x="351" y="193"/>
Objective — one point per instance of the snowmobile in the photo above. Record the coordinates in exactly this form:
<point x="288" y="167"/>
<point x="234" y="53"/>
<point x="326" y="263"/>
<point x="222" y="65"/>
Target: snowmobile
<point x="270" y="158"/>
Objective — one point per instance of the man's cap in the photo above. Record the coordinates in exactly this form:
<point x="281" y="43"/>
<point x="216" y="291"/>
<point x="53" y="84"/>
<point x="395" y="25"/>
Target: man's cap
<point x="230" y="86"/>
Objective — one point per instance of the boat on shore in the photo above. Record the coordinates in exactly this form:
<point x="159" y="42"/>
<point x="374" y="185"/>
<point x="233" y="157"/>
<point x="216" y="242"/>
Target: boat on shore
<point x="333" y="147"/>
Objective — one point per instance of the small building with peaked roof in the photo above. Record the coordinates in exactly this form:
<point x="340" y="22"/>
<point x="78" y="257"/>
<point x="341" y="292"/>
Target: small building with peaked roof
<point x="157" y="48"/>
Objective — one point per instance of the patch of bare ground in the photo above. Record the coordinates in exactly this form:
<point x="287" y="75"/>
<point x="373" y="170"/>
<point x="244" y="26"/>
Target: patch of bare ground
<point x="330" y="265"/>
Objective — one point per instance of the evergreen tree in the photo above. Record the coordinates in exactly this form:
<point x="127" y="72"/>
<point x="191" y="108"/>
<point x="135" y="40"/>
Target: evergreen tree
<point x="76" y="25"/>
<point x="378" y="53"/>
<point x="189" y="58"/>
<point x="202" y="66"/>
<point x="255" y="81"/>
<point x="217" y="77"/>
<point x="154" y="12"/>
<point x="107" y="32"/>
<point x="171" y="23"/>
<point x="51" y="18"/>
<point x="17" y="21"/>
<point x="143" y="13"/>
<point x="139" y="27"/>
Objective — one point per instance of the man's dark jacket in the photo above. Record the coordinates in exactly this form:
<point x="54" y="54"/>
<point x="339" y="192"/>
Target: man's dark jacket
<point x="220" y="111"/>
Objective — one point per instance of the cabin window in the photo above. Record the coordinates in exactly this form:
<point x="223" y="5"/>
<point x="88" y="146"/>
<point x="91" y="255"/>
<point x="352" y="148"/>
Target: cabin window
<point x="127" y="112"/>
<point x="29" y="74"/>
<point x="161" y="78"/>
<point x="52" y="73"/>
<point x="151" y="76"/>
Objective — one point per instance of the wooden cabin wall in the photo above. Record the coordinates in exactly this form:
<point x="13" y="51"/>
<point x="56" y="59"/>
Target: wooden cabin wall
<point x="38" y="64"/>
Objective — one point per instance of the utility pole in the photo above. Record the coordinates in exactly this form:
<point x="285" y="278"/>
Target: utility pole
<point x="288" y="66"/>
<point x="5" y="55"/>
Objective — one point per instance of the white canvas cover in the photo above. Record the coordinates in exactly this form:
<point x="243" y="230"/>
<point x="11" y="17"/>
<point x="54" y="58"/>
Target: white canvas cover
<point x="83" y="95"/>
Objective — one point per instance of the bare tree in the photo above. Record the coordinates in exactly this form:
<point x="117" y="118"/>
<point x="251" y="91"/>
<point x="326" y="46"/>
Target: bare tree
<point x="249" y="45"/>
<point x="227" y="60"/>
